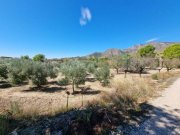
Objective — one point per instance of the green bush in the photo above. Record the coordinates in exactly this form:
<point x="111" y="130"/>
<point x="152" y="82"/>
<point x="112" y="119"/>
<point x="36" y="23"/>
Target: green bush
<point x="52" y="71"/>
<point x="16" y="74"/>
<point x="91" y="67"/>
<point x="20" y="70"/>
<point x="63" y="82"/>
<point x="102" y="74"/>
<point x="3" y="71"/>
<point x="26" y="57"/>
<point x="154" y="76"/>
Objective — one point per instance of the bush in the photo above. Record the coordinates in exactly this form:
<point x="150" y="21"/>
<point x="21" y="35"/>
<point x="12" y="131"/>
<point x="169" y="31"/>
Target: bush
<point x="19" y="70"/>
<point x="16" y="74"/>
<point x="154" y="76"/>
<point x="52" y="71"/>
<point x="129" y="92"/>
<point x="91" y="67"/>
<point x="26" y="57"/>
<point x="63" y="82"/>
<point x="102" y="74"/>
<point x="3" y="71"/>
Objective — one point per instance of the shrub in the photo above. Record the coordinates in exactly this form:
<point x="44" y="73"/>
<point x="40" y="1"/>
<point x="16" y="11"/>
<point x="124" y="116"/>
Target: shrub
<point x="63" y="82"/>
<point x="102" y="74"/>
<point x="3" y="71"/>
<point x="26" y="57"/>
<point x="129" y="92"/>
<point x="91" y="67"/>
<point x="16" y="74"/>
<point x="52" y="71"/>
<point x="154" y="76"/>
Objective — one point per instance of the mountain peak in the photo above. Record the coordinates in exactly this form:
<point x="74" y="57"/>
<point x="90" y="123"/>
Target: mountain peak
<point x="108" y="53"/>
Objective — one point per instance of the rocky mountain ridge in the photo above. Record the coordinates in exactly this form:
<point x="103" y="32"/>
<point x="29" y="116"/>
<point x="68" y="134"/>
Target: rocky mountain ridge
<point x="160" y="46"/>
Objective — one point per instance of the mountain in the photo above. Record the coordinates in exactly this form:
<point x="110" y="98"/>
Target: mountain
<point x="160" y="46"/>
<point x="107" y="53"/>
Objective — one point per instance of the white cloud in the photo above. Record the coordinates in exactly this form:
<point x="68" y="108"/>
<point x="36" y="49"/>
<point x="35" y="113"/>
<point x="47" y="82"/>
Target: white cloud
<point x="85" y="16"/>
<point x="152" y="40"/>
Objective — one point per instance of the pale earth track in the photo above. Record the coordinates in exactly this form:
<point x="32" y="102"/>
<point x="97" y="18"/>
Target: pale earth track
<point x="165" y="117"/>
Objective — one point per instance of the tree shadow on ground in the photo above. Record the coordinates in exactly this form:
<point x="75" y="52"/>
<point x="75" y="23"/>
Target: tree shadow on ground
<point x="45" y="89"/>
<point x="5" y="85"/>
<point x="88" y="92"/>
<point x="90" y="79"/>
<point x="100" y="120"/>
<point x="159" y="122"/>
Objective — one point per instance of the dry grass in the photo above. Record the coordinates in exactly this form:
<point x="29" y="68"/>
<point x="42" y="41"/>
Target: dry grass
<point x="130" y="91"/>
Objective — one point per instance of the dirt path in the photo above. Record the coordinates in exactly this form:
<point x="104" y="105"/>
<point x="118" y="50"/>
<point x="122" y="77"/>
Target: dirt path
<point x="165" y="117"/>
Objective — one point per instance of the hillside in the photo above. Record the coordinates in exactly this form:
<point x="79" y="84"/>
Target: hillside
<point x="160" y="46"/>
<point x="107" y="53"/>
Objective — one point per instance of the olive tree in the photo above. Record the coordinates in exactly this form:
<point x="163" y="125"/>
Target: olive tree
<point x="75" y="71"/>
<point x="16" y="74"/>
<point x="52" y="70"/>
<point x="39" y="74"/>
<point x="25" y="70"/>
<point x="102" y="74"/>
<point x="3" y="71"/>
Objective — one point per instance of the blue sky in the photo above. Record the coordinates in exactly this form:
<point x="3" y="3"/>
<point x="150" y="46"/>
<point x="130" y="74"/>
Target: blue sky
<point x="65" y="28"/>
